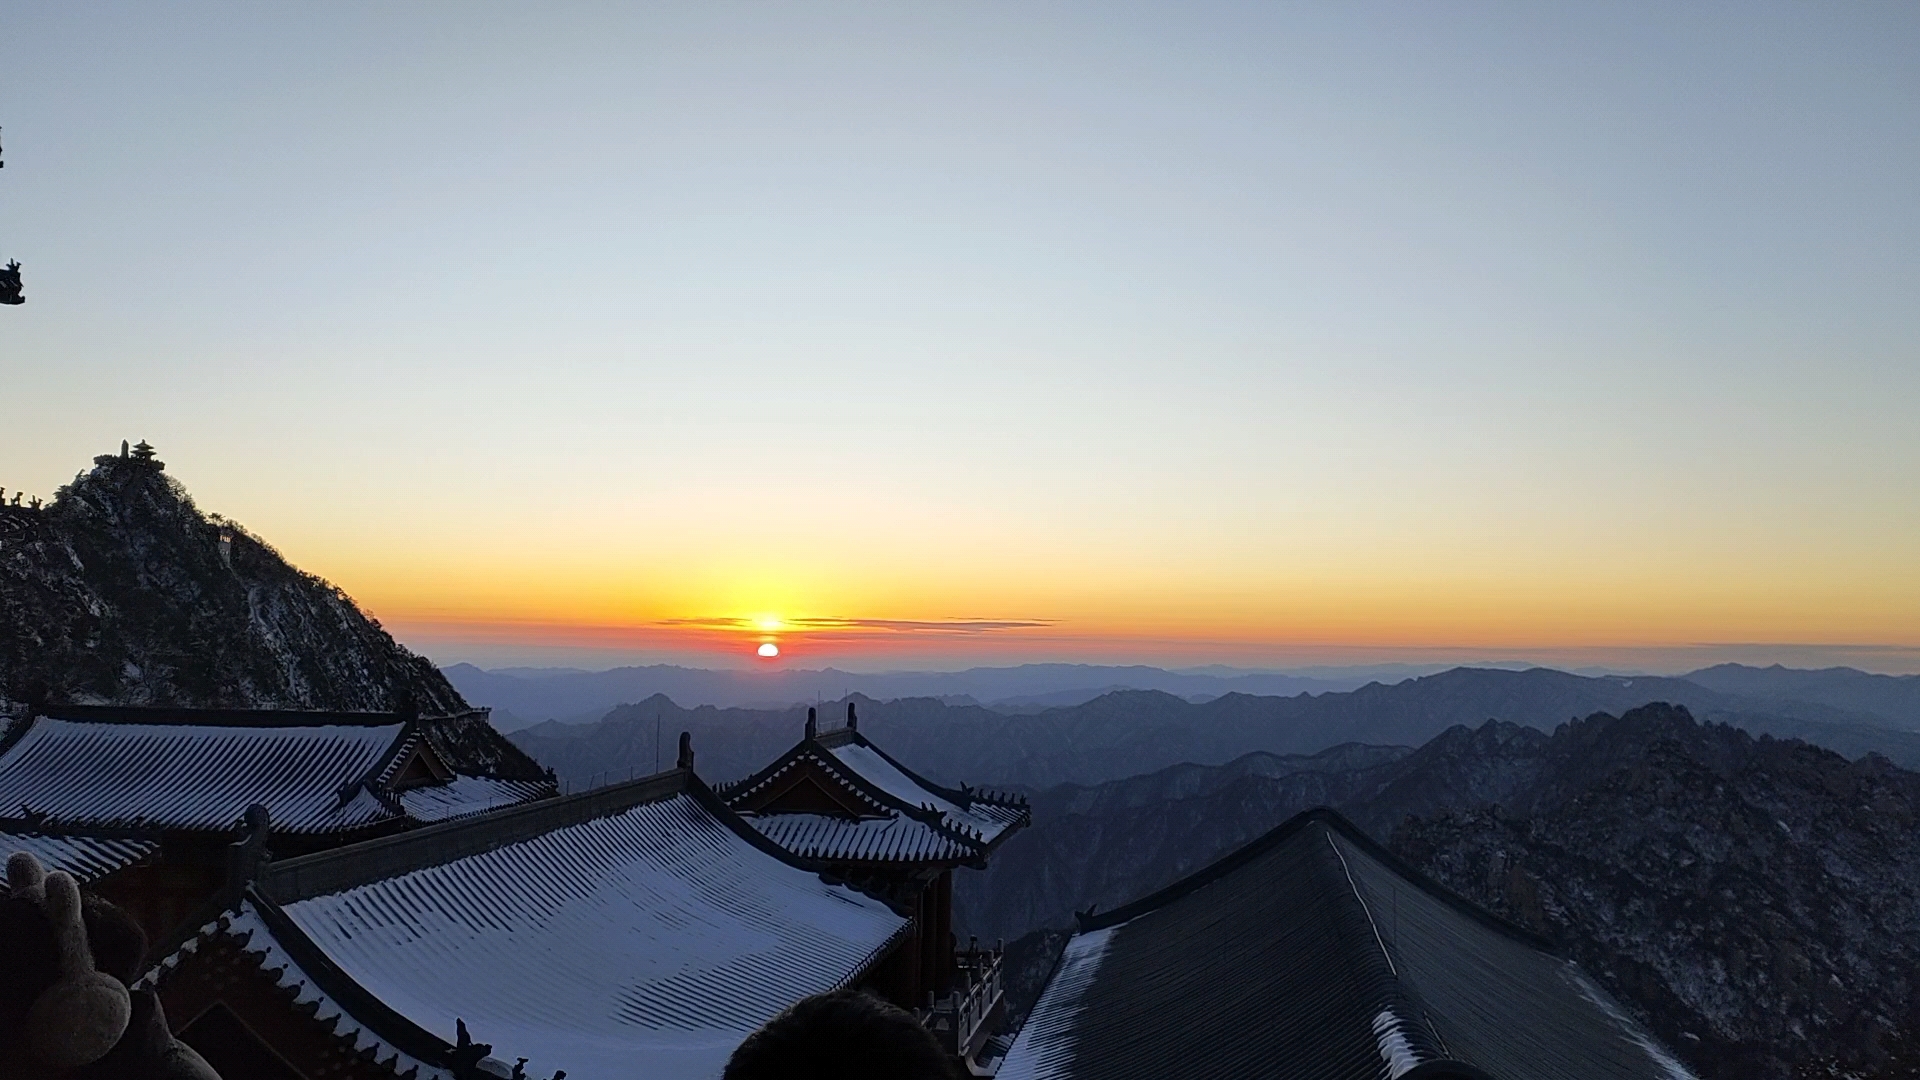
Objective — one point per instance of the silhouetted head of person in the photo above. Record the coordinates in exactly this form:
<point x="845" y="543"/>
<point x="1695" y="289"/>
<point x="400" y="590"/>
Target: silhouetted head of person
<point x="845" y="1035"/>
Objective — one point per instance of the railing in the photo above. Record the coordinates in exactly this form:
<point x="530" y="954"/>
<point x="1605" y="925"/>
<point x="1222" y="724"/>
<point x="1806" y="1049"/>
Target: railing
<point x="964" y="1017"/>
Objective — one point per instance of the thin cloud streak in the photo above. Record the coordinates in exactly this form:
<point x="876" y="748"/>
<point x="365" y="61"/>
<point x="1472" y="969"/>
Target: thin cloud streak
<point x="902" y="626"/>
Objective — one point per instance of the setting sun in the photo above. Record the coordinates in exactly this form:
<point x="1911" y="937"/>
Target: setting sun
<point x="769" y="650"/>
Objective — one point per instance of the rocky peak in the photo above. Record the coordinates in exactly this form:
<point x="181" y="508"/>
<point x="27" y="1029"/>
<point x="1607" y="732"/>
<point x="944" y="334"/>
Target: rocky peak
<point x="1758" y="900"/>
<point x="120" y="591"/>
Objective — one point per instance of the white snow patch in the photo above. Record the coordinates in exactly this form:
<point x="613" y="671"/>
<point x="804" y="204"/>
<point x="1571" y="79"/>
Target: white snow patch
<point x="1044" y="1047"/>
<point x="1394" y="1048"/>
<point x="1667" y="1063"/>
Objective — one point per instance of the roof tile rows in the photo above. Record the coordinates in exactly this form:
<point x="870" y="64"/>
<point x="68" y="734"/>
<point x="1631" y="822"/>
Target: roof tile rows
<point x="327" y="776"/>
<point x="85" y="857"/>
<point x="986" y="819"/>
<point x="904" y="818"/>
<point x="891" y="838"/>
<point x="466" y="795"/>
<point x="1313" y="954"/>
<point x="650" y="939"/>
<point x="183" y="776"/>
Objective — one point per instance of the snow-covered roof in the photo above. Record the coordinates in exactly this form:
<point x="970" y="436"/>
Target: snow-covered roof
<point x="190" y="777"/>
<point x="245" y="925"/>
<point x="1312" y="952"/>
<point x="173" y="773"/>
<point x="887" y="813"/>
<point x="465" y="795"/>
<point x="607" y="940"/>
<point x="85" y="857"/>
<point x="894" y="837"/>
<point x="986" y="818"/>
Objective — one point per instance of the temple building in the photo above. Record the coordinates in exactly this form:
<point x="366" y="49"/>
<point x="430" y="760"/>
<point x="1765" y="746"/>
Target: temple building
<point x="1312" y="953"/>
<point x="642" y="929"/>
<point x="842" y="804"/>
<point x="144" y="802"/>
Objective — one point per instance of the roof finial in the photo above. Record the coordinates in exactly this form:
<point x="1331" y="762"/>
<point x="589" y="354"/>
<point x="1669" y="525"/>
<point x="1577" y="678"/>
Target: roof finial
<point x="686" y="751"/>
<point x="853" y="721"/>
<point x="813" y="723"/>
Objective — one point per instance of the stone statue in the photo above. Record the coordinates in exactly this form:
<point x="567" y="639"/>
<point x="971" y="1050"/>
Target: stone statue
<point x="10" y="287"/>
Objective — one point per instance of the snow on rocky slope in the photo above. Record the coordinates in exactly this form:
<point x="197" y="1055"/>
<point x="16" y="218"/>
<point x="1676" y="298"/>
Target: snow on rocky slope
<point x="120" y="591"/>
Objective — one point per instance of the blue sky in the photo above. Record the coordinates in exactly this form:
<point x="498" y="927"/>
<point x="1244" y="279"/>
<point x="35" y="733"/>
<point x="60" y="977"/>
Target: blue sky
<point x="1195" y="331"/>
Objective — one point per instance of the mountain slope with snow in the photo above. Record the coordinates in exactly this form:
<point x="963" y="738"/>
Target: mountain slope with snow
<point x="120" y="591"/>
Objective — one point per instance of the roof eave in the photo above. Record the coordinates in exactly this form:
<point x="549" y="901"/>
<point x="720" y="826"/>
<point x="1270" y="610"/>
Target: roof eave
<point x="357" y="864"/>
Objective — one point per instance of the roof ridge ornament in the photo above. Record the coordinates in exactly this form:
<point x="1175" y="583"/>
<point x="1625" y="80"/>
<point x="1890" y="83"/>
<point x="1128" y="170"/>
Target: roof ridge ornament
<point x="248" y="854"/>
<point x="813" y="724"/>
<point x="686" y="751"/>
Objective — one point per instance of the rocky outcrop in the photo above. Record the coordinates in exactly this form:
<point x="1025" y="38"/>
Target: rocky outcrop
<point x="120" y="591"/>
<point x="1756" y="900"/>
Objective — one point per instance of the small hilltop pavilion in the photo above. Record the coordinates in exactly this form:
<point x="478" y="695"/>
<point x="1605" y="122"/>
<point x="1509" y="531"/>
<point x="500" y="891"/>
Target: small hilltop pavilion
<point x="144" y="803"/>
<point x="844" y="805"/>
<point x="1314" y="953"/>
<point x="637" y="930"/>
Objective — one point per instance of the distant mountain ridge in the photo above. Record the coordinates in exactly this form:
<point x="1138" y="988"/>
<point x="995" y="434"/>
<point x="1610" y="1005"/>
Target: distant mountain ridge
<point x="1107" y="844"/>
<point x="1128" y="733"/>
<point x="1893" y="698"/>
<point x="120" y="591"/>
<point x="535" y="695"/>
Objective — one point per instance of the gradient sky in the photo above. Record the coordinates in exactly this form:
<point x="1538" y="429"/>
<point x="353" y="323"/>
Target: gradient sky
<point x="1176" y="333"/>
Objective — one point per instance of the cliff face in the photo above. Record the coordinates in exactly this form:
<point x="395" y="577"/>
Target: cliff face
<point x="120" y="591"/>
<point x="1757" y="900"/>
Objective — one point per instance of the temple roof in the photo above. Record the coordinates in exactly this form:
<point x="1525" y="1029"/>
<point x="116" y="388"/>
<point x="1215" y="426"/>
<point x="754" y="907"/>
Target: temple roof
<point x="860" y="804"/>
<point x="85" y="857"/>
<point x="637" y="929"/>
<point x="152" y="770"/>
<point x="1314" y="953"/>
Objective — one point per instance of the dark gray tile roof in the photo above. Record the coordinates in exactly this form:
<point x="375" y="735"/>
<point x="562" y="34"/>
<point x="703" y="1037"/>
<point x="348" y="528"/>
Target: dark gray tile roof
<point x="1313" y="953"/>
<point x="907" y="818"/>
<point x="154" y="770"/>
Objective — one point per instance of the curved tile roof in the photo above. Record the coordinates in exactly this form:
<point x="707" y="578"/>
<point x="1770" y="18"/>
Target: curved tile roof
<point x="895" y="837"/>
<point x="1313" y="953"/>
<point x="85" y="857"/>
<point x="466" y="795"/>
<point x="653" y="939"/>
<point x="987" y="819"/>
<point x="184" y="776"/>
<point x="166" y="770"/>
<point x="905" y="818"/>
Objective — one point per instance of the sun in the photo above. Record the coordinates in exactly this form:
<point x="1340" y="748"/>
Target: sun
<point x="769" y="650"/>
